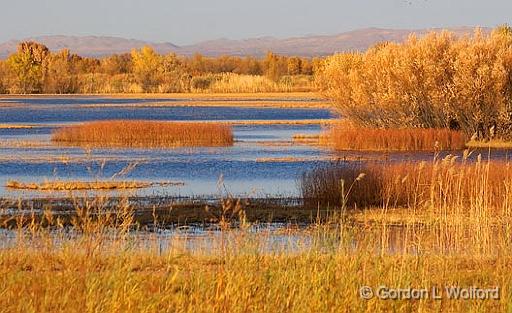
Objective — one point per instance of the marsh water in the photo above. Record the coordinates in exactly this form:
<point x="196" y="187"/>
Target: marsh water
<point x="252" y="167"/>
<point x="263" y="161"/>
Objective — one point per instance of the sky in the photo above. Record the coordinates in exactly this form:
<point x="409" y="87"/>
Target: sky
<point x="190" y="21"/>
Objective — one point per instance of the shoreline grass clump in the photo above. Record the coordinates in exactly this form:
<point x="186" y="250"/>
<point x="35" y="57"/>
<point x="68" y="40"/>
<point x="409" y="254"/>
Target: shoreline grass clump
<point x="85" y="185"/>
<point x="145" y="134"/>
<point x="440" y="185"/>
<point x="343" y="136"/>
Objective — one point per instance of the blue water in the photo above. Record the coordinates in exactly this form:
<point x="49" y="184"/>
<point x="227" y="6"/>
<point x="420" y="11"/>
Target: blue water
<point x="238" y="168"/>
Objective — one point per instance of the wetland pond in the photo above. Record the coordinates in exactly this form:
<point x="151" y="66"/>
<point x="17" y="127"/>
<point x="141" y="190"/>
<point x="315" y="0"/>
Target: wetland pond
<point x="264" y="161"/>
<point x="257" y="165"/>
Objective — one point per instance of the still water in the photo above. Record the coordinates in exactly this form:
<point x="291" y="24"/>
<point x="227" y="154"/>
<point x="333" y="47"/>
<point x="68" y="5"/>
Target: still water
<point x="255" y="166"/>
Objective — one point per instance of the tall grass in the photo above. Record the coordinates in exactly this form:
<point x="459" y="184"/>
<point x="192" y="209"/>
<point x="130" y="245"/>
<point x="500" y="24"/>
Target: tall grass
<point x="144" y="134"/>
<point x="102" y="265"/>
<point x="344" y="136"/>
<point x="106" y="262"/>
<point x="236" y="83"/>
<point x="433" y="186"/>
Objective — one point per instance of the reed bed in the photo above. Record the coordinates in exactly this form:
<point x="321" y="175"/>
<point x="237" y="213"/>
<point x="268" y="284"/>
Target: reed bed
<point x="236" y="83"/>
<point x="344" y="136"/>
<point x="446" y="184"/>
<point x="145" y="134"/>
<point x="15" y="126"/>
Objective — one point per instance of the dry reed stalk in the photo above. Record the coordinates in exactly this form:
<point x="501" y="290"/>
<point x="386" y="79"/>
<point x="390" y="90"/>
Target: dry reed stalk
<point x="343" y="136"/>
<point x="443" y="186"/>
<point x="145" y="134"/>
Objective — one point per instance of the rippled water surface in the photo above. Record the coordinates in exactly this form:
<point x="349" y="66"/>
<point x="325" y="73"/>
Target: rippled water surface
<point x="256" y="165"/>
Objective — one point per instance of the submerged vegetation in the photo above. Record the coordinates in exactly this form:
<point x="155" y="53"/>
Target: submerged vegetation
<point x="145" y="134"/>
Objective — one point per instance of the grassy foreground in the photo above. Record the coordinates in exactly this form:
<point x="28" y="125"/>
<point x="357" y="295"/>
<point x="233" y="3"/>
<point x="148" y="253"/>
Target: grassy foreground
<point x="107" y="272"/>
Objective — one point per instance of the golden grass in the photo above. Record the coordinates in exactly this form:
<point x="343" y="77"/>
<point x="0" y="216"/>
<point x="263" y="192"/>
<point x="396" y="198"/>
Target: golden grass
<point x="106" y="267"/>
<point x="306" y="139"/>
<point x="127" y="281"/>
<point x="183" y="96"/>
<point x="236" y="83"/>
<point x="287" y="159"/>
<point x="15" y="126"/>
<point x="81" y="185"/>
<point x="453" y="231"/>
<point x="343" y="136"/>
<point x="291" y="159"/>
<point x="414" y="185"/>
<point x="282" y="122"/>
<point x="145" y="134"/>
<point x="496" y="144"/>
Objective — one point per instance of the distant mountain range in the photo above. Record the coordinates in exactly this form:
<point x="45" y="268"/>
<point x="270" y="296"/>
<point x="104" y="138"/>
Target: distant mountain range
<point x="360" y="40"/>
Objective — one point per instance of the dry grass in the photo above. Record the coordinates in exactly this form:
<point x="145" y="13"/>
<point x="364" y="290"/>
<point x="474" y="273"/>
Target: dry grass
<point x="267" y="96"/>
<point x="81" y="185"/>
<point x="343" y="136"/>
<point x="104" y="266"/>
<point x="230" y="82"/>
<point x="306" y="139"/>
<point x="100" y="263"/>
<point x="417" y="186"/>
<point x="282" y="122"/>
<point x="493" y="144"/>
<point x="144" y="134"/>
<point x="15" y="126"/>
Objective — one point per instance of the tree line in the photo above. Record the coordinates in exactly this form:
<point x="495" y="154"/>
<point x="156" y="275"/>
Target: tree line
<point x="437" y="81"/>
<point x="34" y="69"/>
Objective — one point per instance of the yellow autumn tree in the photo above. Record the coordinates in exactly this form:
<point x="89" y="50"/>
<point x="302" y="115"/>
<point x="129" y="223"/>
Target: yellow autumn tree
<point x="146" y="66"/>
<point x="431" y="82"/>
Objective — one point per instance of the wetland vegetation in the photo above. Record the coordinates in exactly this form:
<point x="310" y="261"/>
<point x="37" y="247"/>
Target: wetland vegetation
<point x="380" y="190"/>
<point x="145" y="134"/>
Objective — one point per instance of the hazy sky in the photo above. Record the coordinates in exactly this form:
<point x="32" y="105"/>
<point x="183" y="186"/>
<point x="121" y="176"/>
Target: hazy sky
<point x="191" y="21"/>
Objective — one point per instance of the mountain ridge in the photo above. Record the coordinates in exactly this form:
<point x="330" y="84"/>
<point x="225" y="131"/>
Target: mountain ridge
<point x="307" y="46"/>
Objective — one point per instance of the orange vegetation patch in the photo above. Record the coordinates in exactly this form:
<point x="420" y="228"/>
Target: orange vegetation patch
<point x="145" y="134"/>
<point x="282" y="122"/>
<point x="78" y="185"/>
<point x="343" y="136"/>
<point x="446" y="184"/>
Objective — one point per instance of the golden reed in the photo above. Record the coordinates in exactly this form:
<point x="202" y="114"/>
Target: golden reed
<point x="343" y="136"/>
<point x="145" y="134"/>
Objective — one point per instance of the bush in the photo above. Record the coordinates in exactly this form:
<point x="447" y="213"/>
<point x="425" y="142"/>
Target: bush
<point x="437" y="81"/>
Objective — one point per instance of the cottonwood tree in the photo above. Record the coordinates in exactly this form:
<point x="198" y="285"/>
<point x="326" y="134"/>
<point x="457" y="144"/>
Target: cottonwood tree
<point x="146" y="66"/>
<point x="28" y="66"/>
